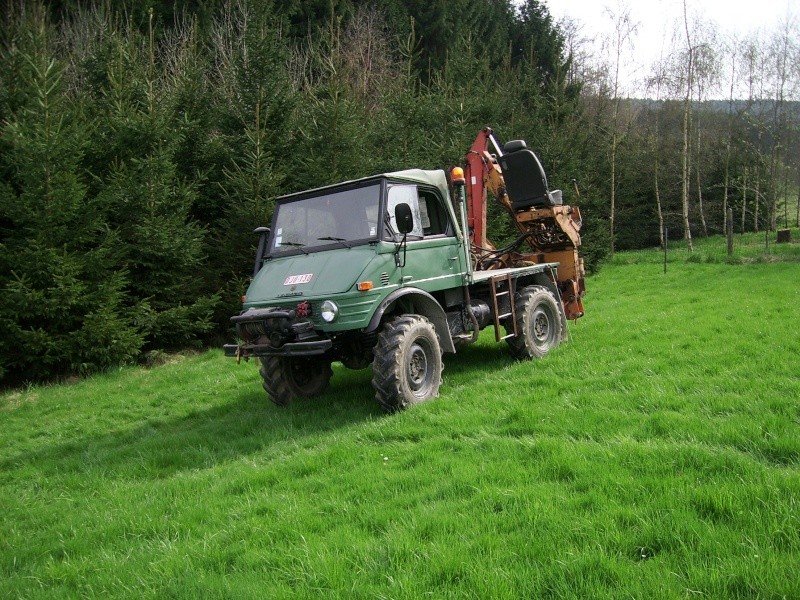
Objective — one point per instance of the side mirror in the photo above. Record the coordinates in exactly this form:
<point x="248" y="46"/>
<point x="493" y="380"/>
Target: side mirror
<point x="404" y="218"/>
<point x="263" y="233"/>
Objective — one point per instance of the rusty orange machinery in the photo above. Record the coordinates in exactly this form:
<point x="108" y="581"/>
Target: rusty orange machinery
<point x="549" y="229"/>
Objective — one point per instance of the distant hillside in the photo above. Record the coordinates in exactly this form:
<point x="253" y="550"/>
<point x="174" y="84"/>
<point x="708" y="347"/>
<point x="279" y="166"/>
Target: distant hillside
<point x="763" y="107"/>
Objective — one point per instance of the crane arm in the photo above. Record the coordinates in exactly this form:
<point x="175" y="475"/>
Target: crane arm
<point x="550" y="230"/>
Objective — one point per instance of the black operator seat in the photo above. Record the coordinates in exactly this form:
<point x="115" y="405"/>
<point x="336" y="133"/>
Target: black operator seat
<point x="526" y="183"/>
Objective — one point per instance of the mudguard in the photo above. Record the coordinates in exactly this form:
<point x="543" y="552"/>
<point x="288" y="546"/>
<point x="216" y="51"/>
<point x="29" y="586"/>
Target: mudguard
<point x="425" y="305"/>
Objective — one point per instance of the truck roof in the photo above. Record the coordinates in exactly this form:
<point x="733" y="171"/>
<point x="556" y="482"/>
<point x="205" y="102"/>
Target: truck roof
<point x="435" y="178"/>
<point x="431" y="177"/>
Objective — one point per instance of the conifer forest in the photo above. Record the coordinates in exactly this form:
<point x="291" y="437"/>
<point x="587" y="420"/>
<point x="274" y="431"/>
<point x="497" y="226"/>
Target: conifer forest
<point x="142" y="141"/>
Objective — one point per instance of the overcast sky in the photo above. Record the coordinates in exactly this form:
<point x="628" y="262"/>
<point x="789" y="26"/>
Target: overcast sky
<point x="657" y="18"/>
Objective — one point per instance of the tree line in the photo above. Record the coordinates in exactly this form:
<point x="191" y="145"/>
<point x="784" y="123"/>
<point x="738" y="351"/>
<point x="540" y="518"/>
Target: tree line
<point x="142" y="141"/>
<point x="719" y="128"/>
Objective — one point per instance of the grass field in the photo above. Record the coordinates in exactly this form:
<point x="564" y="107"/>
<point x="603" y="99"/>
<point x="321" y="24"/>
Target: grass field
<point x="655" y="455"/>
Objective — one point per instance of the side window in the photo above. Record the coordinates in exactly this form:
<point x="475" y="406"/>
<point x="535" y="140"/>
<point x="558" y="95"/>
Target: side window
<point x="408" y="194"/>
<point x="434" y="218"/>
<point x="430" y="218"/>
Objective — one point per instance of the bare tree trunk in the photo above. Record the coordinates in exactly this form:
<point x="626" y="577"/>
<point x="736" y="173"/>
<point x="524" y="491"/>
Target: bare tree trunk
<point x="786" y="196"/>
<point x="744" y="197"/>
<point x="613" y="177"/>
<point x="782" y="49"/>
<point x="700" y="203"/>
<point x="727" y="177"/>
<point x="771" y="190"/>
<point x="623" y="30"/>
<point x="687" y="232"/>
<point x="700" y="187"/>
<point x="614" y="126"/>
<point x="728" y="141"/>
<point x="658" y="206"/>
<point x="758" y="193"/>
<point x="687" y="105"/>
<point x="656" y="154"/>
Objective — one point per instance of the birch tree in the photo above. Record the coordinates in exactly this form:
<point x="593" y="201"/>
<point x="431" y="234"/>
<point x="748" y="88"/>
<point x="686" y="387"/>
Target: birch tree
<point x="619" y="42"/>
<point x="706" y="75"/>
<point x="782" y="47"/>
<point x="730" y="49"/>
<point x="687" y="106"/>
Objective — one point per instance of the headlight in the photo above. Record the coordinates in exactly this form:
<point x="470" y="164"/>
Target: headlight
<point x="329" y="311"/>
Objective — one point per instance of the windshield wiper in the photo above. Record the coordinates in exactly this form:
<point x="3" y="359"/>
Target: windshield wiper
<point x="335" y="239"/>
<point x="297" y="245"/>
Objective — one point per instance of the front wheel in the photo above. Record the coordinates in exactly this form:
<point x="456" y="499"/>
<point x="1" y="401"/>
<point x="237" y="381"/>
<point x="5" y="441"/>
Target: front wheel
<point x="407" y="367"/>
<point x="540" y="325"/>
<point x="286" y="378"/>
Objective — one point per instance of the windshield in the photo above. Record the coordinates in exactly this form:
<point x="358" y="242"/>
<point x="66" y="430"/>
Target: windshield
<point x="342" y="218"/>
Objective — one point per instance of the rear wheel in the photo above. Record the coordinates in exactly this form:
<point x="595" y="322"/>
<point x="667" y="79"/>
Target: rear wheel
<point x="286" y="378"/>
<point x="407" y="368"/>
<point x="540" y="326"/>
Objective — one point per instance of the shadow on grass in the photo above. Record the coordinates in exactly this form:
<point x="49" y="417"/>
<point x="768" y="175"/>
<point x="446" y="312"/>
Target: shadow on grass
<point x="248" y="424"/>
<point x="478" y="359"/>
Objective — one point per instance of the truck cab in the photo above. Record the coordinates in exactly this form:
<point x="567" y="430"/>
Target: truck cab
<point x="334" y="254"/>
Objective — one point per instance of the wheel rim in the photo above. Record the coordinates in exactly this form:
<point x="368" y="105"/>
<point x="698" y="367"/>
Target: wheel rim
<point x="418" y="368"/>
<point x="307" y="375"/>
<point x="542" y="327"/>
<point x="301" y="373"/>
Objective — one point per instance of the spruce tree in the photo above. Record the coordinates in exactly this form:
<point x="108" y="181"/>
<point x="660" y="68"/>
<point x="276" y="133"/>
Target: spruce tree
<point x="149" y="203"/>
<point x="249" y="140"/>
<point x="63" y="294"/>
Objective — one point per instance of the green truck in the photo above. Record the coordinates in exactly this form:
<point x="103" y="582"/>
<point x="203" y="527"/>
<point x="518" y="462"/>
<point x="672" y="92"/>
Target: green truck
<point x="391" y="271"/>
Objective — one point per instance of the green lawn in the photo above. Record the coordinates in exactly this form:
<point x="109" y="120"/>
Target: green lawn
<point x="747" y="248"/>
<point x="655" y="455"/>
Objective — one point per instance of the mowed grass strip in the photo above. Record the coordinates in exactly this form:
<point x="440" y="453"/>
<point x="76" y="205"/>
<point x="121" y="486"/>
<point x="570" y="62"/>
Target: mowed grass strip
<point x="656" y="454"/>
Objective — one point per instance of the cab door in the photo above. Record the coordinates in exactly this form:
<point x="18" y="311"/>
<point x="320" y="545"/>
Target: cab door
<point x="433" y="256"/>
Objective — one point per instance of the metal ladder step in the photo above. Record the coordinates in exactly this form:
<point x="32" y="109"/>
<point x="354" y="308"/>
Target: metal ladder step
<point x="496" y="293"/>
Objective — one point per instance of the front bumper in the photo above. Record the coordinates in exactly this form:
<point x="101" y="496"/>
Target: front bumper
<point x="275" y="332"/>
<point x="290" y="349"/>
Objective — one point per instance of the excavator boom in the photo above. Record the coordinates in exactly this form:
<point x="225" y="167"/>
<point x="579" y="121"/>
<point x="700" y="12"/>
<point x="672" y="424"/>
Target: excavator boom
<point x="549" y="230"/>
